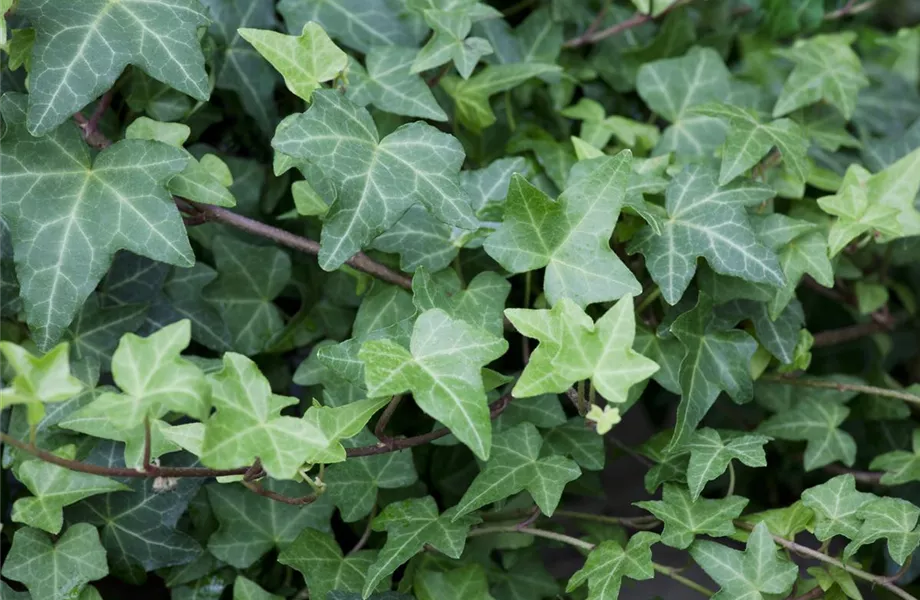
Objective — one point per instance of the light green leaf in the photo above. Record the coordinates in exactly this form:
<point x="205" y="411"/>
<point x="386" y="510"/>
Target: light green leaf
<point x="249" y="279"/>
<point x="900" y="466"/>
<point x="603" y="418"/>
<point x="371" y="175"/>
<point x="570" y="236"/>
<point x="609" y="563"/>
<point x="80" y="50"/>
<point x="672" y="86"/>
<point x="328" y="426"/>
<point x="516" y="465"/>
<point x="245" y="589"/>
<point x="597" y="128"/>
<point x="836" y="503"/>
<point x="710" y="455"/>
<point x="785" y="522"/>
<point x="685" y="518"/>
<point x="480" y="304"/>
<point x="471" y="96"/>
<point x="305" y="61"/>
<point x="56" y="570"/>
<point x="144" y="128"/>
<point x="758" y="573"/>
<point x="442" y="369"/>
<point x="893" y="519"/>
<point x="319" y="559"/>
<point x="574" y="348"/>
<point x="749" y="140"/>
<point x="450" y="43"/>
<point x="389" y="85"/>
<point x="710" y="221"/>
<point x="38" y="379"/>
<point x="89" y="209"/>
<point x="836" y="580"/>
<point x="816" y="423"/>
<point x="466" y="583"/>
<point x="827" y="69"/>
<point x="410" y="525"/>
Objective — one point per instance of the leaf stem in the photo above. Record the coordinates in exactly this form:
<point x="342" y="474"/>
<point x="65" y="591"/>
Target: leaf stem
<point x="385" y="417"/>
<point x="843" y="387"/>
<point x="649" y="298"/>
<point x="582" y="401"/>
<point x="850" y="8"/>
<point x="673" y="574"/>
<point x="147" y="445"/>
<point x="256" y="488"/>
<point x="366" y="535"/>
<point x="731" y="480"/>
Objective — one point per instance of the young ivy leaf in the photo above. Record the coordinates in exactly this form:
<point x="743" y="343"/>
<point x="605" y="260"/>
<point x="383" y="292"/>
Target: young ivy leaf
<point x="758" y="573"/>
<point x="390" y="86"/>
<point x="893" y="519"/>
<point x="516" y="465"/>
<point x="469" y="582"/>
<point x="53" y="570"/>
<point x="89" y="208"/>
<point x="574" y="348"/>
<point x="319" y="559"/>
<point x="569" y="236"/>
<point x="376" y="180"/>
<point x="818" y="424"/>
<point x="708" y="220"/>
<point x="836" y="504"/>
<point x="305" y="61"/>
<point x="609" y="563"/>
<point x="81" y="49"/>
<point x="38" y="379"/>
<point x="480" y="304"/>
<point x="685" y="518"/>
<point x="826" y="68"/>
<point x="450" y="41"/>
<point x="710" y="455"/>
<point x="900" y="466"/>
<point x="442" y="369"/>
<point x="410" y="525"/>
<point x="155" y="379"/>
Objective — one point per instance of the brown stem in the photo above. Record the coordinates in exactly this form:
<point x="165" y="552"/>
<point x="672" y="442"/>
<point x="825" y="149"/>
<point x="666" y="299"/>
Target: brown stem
<point x="850" y="8"/>
<point x="362" y="541"/>
<point x="868" y="477"/>
<point x="90" y="127"/>
<point x="256" y="488"/>
<point x="843" y="387"/>
<point x="147" y="445"/>
<point x="832" y="337"/>
<point x="385" y="417"/>
<point x="592" y="37"/>
<point x="815" y="593"/>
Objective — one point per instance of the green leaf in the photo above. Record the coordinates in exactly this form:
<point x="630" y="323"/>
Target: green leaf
<point x="328" y="426"/>
<point x="672" y="86"/>
<point x="80" y="50"/>
<point x="714" y="361"/>
<point x="574" y="348"/>
<point x="471" y="96"/>
<point x="466" y="583"/>
<point x="89" y="209"/>
<point x="56" y="570"/>
<point x="319" y="559"/>
<point x="249" y="279"/>
<point x="389" y="85"/>
<point x="827" y="69"/>
<point x="410" y="525"/>
<point x="685" y="518"/>
<point x="370" y="174"/>
<point x="710" y="221"/>
<point x="245" y="589"/>
<point x="450" y="43"/>
<point x="575" y="440"/>
<point x="837" y="505"/>
<point x="252" y="525"/>
<point x="569" y="236"/>
<point x="38" y="379"/>
<point x="609" y="563"/>
<point x="893" y="519"/>
<point x="758" y="573"/>
<point x="515" y="465"/>
<point x="597" y="128"/>
<point x="816" y="423"/>
<point x="710" y="455"/>
<point x="749" y="140"/>
<point x="442" y="370"/>
<point x="305" y="61"/>
<point x="883" y="202"/>
<point x="480" y="304"/>
<point x="900" y="466"/>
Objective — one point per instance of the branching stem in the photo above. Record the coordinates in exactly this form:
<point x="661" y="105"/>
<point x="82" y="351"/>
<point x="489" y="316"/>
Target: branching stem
<point x="844" y="387"/>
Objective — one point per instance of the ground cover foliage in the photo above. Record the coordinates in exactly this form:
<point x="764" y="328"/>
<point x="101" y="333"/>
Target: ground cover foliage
<point x="351" y="299"/>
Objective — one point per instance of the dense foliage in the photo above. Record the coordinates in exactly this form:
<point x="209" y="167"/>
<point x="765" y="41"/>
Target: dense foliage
<point x="386" y="330"/>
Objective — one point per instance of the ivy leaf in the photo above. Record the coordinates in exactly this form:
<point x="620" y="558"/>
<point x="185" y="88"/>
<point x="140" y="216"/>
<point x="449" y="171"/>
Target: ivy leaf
<point x="80" y="50"/>
<point x="410" y="525"/>
<point x="574" y="348"/>
<point x="442" y="370"/>
<point x="319" y="559"/>
<point x="249" y="279"/>
<point x="883" y="202"/>
<point x="900" y="466"/>
<point x="450" y="42"/>
<point x="328" y="426"/>
<point x="252" y="525"/>
<point x="710" y="455"/>
<point x="305" y="61"/>
<point x="710" y="221"/>
<point x="893" y="519"/>
<point x="609" y="563"/>
<point x="38" y="379"/>
<point x="480" y="304"/>
<point x="672" y="86"/>
<point x="516" y="465"/>
<point x="575" y="440"/>
<point x="570" y="236"/>
<point x="685" y="518"/>
<point x="56" y="570"/>
<point x="816" y="423"/>
<point x="240" y="69"/>
<point x="370" y="175"/>
<point x="597" y="128"/>
<point x="466" y="583"/>
<point x="89" y="209"/>
<point x="827" y="69"/>
<point x="758" y="573"/>
<point x="245" y="589"/>
<point x="749" y="140"/>
<point x="714" y="361"/>
<point x="389" y="85"/>
<point x="836" y="503"/>
<point x="471" y="96"/>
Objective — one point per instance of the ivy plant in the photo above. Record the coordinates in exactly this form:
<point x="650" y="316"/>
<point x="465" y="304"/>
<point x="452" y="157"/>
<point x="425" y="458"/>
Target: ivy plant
<point x="459" y="299"/>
